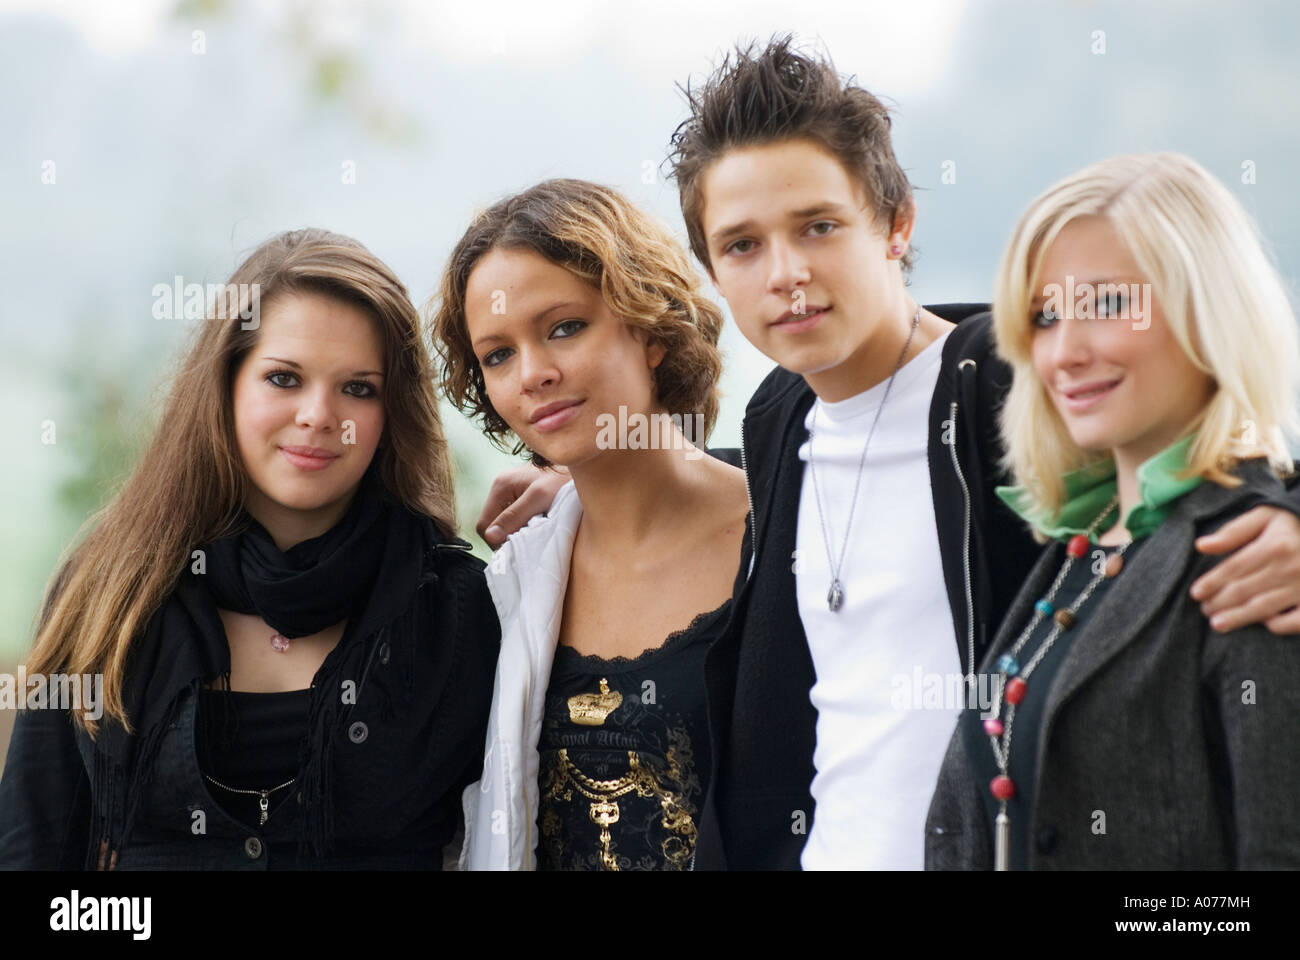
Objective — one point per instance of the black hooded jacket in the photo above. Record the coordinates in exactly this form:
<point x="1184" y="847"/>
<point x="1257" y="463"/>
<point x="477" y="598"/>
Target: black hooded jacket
<point x="762" y="723"/>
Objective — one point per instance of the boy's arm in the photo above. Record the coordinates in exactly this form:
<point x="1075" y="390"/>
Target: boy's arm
<point x="518" y="495"/>
<point x="1260" y="581"/>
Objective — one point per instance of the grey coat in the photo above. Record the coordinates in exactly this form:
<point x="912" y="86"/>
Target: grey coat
<point x="1185" y="739"/>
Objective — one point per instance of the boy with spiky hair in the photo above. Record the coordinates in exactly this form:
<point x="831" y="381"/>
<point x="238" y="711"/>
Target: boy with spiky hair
<point x="879" y="560"/>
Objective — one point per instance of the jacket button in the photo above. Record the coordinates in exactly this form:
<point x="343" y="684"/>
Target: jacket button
<point x="384" y="653"/>
<point x="253" y="847"/>
<point x="358" y="732"/>
<point x="1046" y="839"/>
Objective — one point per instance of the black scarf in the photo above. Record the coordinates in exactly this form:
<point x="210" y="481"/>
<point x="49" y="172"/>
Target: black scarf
<point x="364" y="569"/>
<point x="312" y="585"/>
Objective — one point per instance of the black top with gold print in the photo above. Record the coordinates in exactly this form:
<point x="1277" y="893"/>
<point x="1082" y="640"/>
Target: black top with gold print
<point x="625" y="755"/>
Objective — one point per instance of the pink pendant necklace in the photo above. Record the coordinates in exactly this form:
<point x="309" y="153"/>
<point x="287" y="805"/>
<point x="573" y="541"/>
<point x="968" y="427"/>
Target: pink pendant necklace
<point x="279" y="643"/>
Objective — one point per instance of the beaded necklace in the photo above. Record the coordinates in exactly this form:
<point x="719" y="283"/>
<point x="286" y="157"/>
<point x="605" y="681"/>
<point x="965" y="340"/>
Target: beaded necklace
<point x="1015" y="678"/>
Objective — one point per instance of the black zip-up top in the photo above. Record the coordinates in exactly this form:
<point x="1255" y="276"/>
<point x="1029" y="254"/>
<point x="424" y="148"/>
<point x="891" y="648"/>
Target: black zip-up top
<point x="401" y="748"/>
<point x="764" y="727"/>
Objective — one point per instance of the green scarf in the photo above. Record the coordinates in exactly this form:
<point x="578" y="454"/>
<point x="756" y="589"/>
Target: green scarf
<point x="1090" y="488"/>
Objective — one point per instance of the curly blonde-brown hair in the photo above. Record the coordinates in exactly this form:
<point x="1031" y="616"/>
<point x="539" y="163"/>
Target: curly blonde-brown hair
<point x="601" y="237"/>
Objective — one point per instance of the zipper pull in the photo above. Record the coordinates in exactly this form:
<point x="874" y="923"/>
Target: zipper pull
<point x="264" y="804"/>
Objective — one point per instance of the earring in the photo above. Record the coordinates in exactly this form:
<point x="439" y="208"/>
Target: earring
<point x="895" y="249"/>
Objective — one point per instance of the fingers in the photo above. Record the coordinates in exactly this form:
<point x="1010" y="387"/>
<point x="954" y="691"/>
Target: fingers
<point x="1261" y="608"/>
<point x="1237" y="567"/>
<point x="1274" y="541"/>
<point x="1238" y="590"/>
<point x="1236" y="533"/>
<point x="505" y="489"/>
<point x="1285" y="623"/>
<point x="1259" y="583"/>
<point x="535" y="499"/>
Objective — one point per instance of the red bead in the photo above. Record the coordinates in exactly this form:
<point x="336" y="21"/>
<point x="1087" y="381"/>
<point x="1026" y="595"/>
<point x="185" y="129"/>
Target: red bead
<point x="1002" y="787"/>
<point x="1077" y="546"/>
<point x="993" y="726"/>
<point x="1016" y="690"/>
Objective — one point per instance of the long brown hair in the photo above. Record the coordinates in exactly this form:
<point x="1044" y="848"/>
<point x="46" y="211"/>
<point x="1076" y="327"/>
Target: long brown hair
<point x="190" y="484"/>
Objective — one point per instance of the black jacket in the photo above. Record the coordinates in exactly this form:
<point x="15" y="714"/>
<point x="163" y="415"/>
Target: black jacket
<point x="397" y="773"/>
<point x="763" y="726"/>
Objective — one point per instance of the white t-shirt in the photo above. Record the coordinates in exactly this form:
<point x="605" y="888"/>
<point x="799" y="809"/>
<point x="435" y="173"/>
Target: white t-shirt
<point x="889" y="678"/>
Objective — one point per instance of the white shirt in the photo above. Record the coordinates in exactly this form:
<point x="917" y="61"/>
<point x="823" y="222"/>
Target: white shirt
<point x="527" y="578"/>
<point x="888" y="688"/>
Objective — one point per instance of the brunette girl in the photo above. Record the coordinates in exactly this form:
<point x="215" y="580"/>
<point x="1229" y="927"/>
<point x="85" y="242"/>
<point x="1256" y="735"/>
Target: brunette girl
<point x="296" y="651"/>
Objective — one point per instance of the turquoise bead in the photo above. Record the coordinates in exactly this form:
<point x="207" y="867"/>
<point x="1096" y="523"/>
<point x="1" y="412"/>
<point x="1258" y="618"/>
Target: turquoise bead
<point x="1007" y="664"/>
<point x="1045" y="608"/>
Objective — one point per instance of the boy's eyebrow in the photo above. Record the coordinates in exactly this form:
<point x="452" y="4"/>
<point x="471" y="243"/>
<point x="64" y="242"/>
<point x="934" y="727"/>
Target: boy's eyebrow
<point x="719" y="235"/>
<point x="825" y="207"/>
<point x="354" y="373"/>
<point x="801" y="214"/>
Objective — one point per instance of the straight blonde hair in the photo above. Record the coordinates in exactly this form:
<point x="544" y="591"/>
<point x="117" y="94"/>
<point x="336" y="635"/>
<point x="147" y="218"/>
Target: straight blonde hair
<point x="1221" y="296"/>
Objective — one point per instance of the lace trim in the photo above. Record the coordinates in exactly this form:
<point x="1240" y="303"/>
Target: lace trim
<point x="675" y="640"/>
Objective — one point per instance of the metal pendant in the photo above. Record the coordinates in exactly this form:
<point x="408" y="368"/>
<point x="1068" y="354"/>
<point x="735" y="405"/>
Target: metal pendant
<point x="1002" y="844"/>
<point x="591" y="709"/>
<point x="835" y="598"/>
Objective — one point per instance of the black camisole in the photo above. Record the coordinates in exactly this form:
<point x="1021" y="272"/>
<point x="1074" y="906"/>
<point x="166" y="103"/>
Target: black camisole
<point x="624" y="755"/>
<point x="251" y="741"/>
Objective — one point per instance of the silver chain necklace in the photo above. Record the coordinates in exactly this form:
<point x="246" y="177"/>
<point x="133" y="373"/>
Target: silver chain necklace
<point x="835" y="596"/>
<point x="264" y="796"/>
